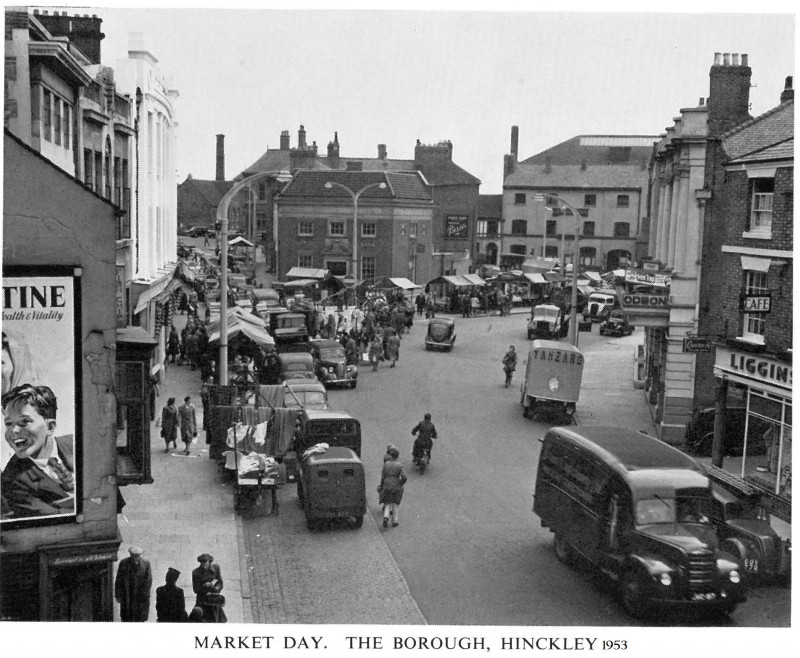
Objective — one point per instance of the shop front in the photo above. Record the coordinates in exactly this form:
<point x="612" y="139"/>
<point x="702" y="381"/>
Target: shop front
<point x="762" y="384"/>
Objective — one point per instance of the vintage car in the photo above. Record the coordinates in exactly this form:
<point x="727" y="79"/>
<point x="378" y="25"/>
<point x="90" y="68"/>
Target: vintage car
<point x="296" y="365"/>
<point x="547" y="321"/>
<point x="616" y="324"/>
<point x="305" y="394"/>
<point x="330" y="363"/>
<point x="600" y="304"/>
<point x="700" y="432"/>
<point x="744" y="531"/>
<point x="441" y="334"/>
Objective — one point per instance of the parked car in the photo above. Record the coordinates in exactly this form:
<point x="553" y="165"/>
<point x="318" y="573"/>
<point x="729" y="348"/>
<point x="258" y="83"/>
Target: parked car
<point x="700" y="432"/>
<point x="547" y="321"/>
<point x="197" y="231"/>
<point x="296" y="365"/>
<point x="305" y="394"/>
<point x="744" y="531"/>
<point x="616" y="324"/>
<point x="331" y="364"/>
<point x="441" y="334"/>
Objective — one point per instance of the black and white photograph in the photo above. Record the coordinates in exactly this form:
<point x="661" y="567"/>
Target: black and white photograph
<point x="418" y="329"/>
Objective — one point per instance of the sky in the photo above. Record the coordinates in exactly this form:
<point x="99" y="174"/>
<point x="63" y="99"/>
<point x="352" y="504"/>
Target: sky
<point x="392" y="77"/>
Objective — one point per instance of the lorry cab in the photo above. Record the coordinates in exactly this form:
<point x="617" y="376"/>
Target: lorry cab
<point x="640" y="511"/>
<point x="600" y="304"/>
<point x="289" y="330"/>
<point x="332" y="486"/>
<point x="547" y="321"/>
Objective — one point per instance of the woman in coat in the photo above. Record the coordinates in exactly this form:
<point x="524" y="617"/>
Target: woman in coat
<point x="393" y="347"/>
<point x="375" y="351"/>
<point x="207" y="585"/>
<point x="391" y="487"/>
<point x="169" y="424"/>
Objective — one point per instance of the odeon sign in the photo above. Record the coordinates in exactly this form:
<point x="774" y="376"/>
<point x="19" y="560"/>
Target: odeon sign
<point x="646" y="301"/>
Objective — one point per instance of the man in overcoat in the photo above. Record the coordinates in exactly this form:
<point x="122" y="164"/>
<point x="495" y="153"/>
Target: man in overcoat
<point x="132" y="586"/>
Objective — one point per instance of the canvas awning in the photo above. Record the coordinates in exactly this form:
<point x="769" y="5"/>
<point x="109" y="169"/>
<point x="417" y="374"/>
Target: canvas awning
<point x="456" y="280"/>
<point x="474" y="279"/>
<point x="300" y="283"/>
<point x="240" y="241"/>
<point x="552" y="277"/>
<point x="538" y="264"/>
<point x="307" y="273"/>
<point x="402" y="282"/>
<point x="594" y="276"/>
<point x="534" y="277"/>
<point x="241" y="322"/>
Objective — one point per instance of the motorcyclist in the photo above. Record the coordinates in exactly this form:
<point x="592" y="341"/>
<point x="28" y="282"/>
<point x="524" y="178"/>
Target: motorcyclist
<point x="424" y="442"/>
<point x="510" y="364"/>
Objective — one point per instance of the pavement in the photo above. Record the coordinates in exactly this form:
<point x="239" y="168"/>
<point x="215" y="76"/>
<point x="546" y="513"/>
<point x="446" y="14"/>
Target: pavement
<point x="189" y="510"/>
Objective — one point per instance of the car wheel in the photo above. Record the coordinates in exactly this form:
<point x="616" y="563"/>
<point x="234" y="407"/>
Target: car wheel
<point x="631" y="596"/>
<point x="353" y="384"/>
<point x="564" y="550"/>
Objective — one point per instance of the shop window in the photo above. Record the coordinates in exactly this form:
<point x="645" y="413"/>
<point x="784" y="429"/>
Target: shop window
<point x="588" y="229"/>
<point x="589" y="199"/>
<point x="754" y="324"/>
<point x="762" y="190"/>
<point x="519" y="227"/>
<point x="520" y="199"/>
<point x="622" y="230"/>
<point x="623" y="200"/>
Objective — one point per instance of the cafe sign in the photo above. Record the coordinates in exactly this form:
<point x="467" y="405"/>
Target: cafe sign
<point x="761" y="303"/>
<point x="696" y="344"/>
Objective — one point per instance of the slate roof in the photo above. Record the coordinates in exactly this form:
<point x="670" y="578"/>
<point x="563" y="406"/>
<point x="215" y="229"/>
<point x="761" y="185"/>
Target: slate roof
<point x="773" y="127"/>
<point x="311" y="183"/>
<point x="211" y="190"/>
<point x="489" y="205"/>
<point x="574" y="176"/>
<point x="598" y="150"/>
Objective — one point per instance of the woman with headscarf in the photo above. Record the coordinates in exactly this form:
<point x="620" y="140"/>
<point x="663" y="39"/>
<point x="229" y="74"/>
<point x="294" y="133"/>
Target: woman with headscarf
<point x="207" y="585"/>
<point x="393" y="479"/>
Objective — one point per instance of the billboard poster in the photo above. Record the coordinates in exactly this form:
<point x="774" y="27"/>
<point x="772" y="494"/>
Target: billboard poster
<point x="40" y="481"/>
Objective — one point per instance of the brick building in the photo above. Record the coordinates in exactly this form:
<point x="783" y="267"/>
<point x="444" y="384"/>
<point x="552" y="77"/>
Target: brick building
<point x="603" y="176"/>
<point x="454" y="190"/>
<point x="488" y="227"/>
<point x="394" y="236"/>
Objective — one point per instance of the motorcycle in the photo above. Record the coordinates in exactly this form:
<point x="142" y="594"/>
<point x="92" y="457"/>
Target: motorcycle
<point x="422" y="460"/>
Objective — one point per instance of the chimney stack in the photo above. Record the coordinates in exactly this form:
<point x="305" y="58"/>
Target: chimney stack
<point x="220" y="157"/>
<point x="515" y="141"/>
<point x="301" y="137"/>
<point x="729" y="93"/>
<point x="788" y="92"/>
<point x="381" y="151"/>
<point x="284" y="140"/>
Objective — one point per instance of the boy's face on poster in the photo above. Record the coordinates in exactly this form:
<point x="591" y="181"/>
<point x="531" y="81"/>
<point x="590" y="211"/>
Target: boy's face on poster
<point x="27" y="431"/>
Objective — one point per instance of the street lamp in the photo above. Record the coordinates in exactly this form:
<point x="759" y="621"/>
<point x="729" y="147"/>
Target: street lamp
<point x="355" y="195"/>
<point x="573" y="310"/>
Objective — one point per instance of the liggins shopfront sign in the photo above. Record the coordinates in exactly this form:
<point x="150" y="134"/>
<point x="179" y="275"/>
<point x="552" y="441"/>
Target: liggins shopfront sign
<point x="753" y="368"/>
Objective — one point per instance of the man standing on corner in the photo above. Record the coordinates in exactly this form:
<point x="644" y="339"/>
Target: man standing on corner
<point x="132" y="586"/>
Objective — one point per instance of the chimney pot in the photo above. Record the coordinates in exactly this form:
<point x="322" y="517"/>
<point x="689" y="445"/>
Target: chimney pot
<point x="788" y="92"/>
<point x="381" y="151"/>
<point x="744" y="59"/>
<point x="726" y="59"/>
<point x="717" y="59"/>
<point x="702" y="101"/>
<point x="735" y="60"/>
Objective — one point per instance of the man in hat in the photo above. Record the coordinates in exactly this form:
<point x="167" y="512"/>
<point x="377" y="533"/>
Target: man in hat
<point x="170" y="602"/>
<point x="132" y="586"/>
<point x="207" y="585"/>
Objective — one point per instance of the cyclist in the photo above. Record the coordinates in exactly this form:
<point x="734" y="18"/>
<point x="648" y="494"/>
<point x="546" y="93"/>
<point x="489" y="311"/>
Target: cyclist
<point x="424" y="442"/>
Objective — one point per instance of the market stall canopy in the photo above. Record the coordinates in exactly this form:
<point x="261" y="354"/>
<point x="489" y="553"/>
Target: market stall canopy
<point x="456" y="280"/>
<point x="538" y="264"/>
<point x="242" y="322"/>
<point x="534" y="277"/>
<point x="300" y="283"/>
<point x="307" y="273"/>
<point x="402" y="282"/>
<point x="239" y="240"/>
<point x="594" y="276"/>
<point x="474" y="279"/>
<point x="552" y="277"/>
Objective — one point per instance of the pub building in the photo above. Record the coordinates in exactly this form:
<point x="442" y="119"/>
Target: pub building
<point x="57" y="557"/>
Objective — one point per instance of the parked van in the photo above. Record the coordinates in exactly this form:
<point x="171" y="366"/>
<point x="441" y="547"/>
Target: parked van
<point x="336" y="428"/>
<point x="331" y="486"/>
<point x="639" y="510"/>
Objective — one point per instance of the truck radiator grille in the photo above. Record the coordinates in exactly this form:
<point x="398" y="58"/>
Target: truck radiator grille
<point x="701" y="572"/>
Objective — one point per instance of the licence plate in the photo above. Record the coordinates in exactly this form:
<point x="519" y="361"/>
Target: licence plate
<point x="700" y="596"/>
<point x="750" y="564"/>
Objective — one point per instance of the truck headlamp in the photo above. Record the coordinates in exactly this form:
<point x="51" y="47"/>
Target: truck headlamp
<point x="665" y="579"/>
<point x="734" y="576"/>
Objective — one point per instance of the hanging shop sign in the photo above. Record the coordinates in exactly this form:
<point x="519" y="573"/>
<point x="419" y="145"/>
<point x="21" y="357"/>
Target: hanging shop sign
<point x="41" y="478"/>
<point x="761" y="303"/>
<point x="697" y="344"/>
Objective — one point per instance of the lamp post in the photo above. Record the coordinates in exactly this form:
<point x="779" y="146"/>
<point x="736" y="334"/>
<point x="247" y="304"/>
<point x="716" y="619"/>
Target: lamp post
<point x="355" y="196"/>
<point x="573" y="310"/>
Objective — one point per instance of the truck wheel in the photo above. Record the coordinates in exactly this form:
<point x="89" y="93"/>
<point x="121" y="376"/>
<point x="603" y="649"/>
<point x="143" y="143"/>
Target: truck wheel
<point x="631" y="596"/>
<point x="358" y="522"/>
<point x="353" y="384"/>
<point x="564" y="551"/>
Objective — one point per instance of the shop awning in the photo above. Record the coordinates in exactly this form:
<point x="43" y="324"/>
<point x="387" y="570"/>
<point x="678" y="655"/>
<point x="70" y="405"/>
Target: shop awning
<point x="538" y="264"/>
<point x="552" y="277"/>
<point x="456" y="280"/>
<point x="474" y="279"/>
<point x="402" y="282"/>
<point x="534" y="277"/>
<point x="307" y="273"/>
<point x="152" y="290"/>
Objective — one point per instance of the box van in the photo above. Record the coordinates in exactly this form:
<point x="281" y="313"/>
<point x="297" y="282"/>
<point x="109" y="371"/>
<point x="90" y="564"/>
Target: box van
<point x="331" y="486"/>
<point x="336" y="428"/>
<point x="640" y="511"/>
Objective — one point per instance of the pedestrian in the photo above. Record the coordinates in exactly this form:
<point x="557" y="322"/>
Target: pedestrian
<point x="474" y="304"/>
<point x="173" y="345"/>
<point x="393" y="347"/>
<point x="183" y="305"/>
<point x="393" y="479"/>
<point x="207" y="585"/>
<point x="375" y="351"/>
<point x="193" y="349"/>
<point x="188" y="422"/>
<point x="205" y="238"/>
<point x="510" y="364"/>
<point x="351" y="350"/>
<point x="132" y="586"/>
<point x="170" y="601"/>
<point x="169" y="424"/>
<point x="420" y="304"/>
